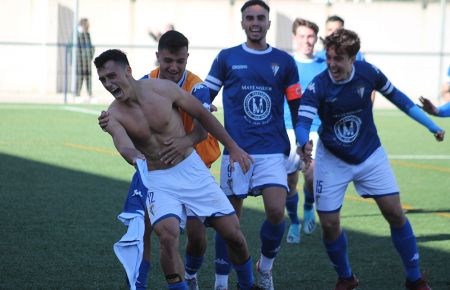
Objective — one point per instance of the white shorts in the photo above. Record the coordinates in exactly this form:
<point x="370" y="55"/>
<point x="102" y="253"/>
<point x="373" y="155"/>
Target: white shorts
<point x="372" y="178"/>
<point x="293" y="162"/>
<point x="267" y="170"/>
<point x="188" y="188"/>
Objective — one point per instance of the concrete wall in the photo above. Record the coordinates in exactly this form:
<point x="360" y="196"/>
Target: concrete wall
<point x="403" y="39"/>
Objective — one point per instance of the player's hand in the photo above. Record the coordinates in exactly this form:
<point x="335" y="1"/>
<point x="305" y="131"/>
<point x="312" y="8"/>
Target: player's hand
<point x="240" y="156"/>
<point x="174" y="150"/>
<point x="428" y="106"/>
<point x="439" y="136"/>
<point x="103" y="120"/>
<point x="305" y="153"/>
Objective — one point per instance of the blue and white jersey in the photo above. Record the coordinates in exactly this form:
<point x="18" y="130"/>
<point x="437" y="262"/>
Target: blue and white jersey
<point x="307" y="70"/>
<point x="345" y="109"/>
<point x="254" y="87"/>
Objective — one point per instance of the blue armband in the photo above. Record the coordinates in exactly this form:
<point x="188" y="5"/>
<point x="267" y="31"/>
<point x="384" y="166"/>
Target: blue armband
<point x="417" y="114"/>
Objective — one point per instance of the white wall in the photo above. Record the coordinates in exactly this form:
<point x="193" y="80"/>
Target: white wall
<point x="385" y="29"/>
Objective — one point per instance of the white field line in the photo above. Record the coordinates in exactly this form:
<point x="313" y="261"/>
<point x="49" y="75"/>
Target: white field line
<point x="82" y="110"/>
<point x="419" y="157"/>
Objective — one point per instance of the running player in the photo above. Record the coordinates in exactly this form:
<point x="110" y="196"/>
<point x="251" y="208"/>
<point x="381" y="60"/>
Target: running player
<point x="349" y="149"/>
<point x="172" y="57"/>
<point x="255" y="78"/>
<point x="305" y="37"/>
<point x="144" y="118"/>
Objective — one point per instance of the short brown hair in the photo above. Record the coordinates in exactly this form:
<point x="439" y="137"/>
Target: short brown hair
<point x="343" y="41"/>
<point x="303" y="22"/>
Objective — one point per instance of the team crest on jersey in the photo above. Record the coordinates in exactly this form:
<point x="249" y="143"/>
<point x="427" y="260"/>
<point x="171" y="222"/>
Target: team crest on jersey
<point x="312" y="87"/>
<point x="257" y="105"/>
<point x="347" y="129"/>
<point x="275" y="68"/>
<point x="360" y="91"/>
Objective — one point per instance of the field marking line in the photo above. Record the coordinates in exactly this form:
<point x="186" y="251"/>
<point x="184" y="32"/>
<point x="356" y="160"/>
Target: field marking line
<point x="82" y="110"/>
<point x="405" y="206"/>
<point x="419" y="157"/>
<point x="420" y="166"/>
<point x="92" y="149"/>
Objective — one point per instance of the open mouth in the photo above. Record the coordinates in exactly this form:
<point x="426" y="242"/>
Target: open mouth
<point x="116" y="91"/>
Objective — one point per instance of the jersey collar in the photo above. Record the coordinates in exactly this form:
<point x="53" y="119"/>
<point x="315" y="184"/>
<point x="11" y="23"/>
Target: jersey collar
<point x="254" y="51"/>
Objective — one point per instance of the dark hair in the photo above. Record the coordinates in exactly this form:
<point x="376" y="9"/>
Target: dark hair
<point x="255" y="2"/>
<point x="303" y="22"/>
<point x="343" y="41"/>
<point x="173" y="41"/>
<point x="334" y="18"/>
<point x="111" y="54"/>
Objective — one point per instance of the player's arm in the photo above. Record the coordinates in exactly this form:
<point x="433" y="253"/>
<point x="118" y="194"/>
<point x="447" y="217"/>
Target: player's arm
<point x="405" y="104"/>
<point x="175" y="147"/>
<point x="430" y="108"/>
<point x="122" y="141"/>
<point x="193" y="107"/>
<point x="401" y="101"/>
<point x="293" y="95"/>
<point x="444" y="110"/>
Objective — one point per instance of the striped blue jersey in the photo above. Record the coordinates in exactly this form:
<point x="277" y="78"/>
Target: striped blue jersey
<point x="307" y="70"/>
<point x="254" y="87"/>
<point x="345" y="109"/>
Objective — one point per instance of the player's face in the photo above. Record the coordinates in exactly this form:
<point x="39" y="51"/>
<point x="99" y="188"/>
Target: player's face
<point x="305" y="39"/>
<point x="255" y="22"/>
<point x="332" y="26"/>
<point x="340" y="65"/>
<point x="114" y="78"/>
<point x="172" y="64"/>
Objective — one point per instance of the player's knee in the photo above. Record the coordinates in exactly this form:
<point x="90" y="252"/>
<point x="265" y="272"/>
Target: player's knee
<point x="235" y="240"/>
<point x="395" y="218"/>
<point x="196" y="244"/>
<point x="275" y="215"/>
<point x="330" y="225"/>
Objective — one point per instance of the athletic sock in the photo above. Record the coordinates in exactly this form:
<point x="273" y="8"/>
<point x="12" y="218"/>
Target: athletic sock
<point x="245" y="274"/>
<point x="178" y="286"/>
<point x="144" y="268"/>
<point x="309" y="199"/>
<point x="291" y="208"/>
<point x="405" y="243"/>
<point x="337" y="252"/>
<point x="222" y="262"/>
<point x="271" y="236"/>
<point x="192" y="265"/>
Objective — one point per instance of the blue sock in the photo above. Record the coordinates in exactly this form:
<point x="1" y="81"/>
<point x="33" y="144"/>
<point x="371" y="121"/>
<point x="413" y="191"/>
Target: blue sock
<point x="271" y="236"/>
<point x="192" y="264"/>
<point x="178" y="286"/>
<point x="245" y="274"/>
<point x="405" y="243"/>
<point x="291" y="207"/>
<point x="309" y="199"/>
<point x="221" y="262"/>
<point x="337" y="252"/>
<point x="144" y="268"/>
